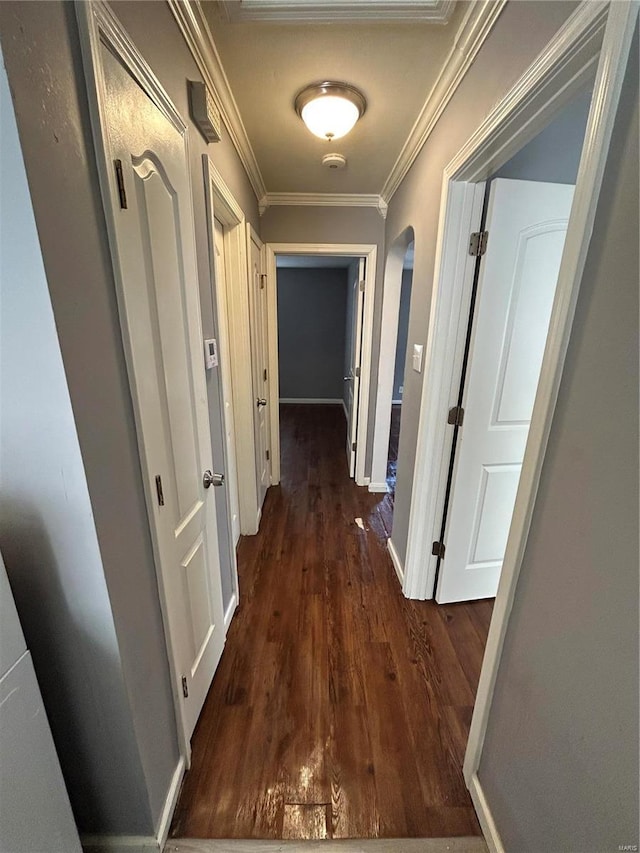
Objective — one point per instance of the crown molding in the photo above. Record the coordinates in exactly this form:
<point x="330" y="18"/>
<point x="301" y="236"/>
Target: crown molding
<point x="323" y="200"/>
<point x="476" y="26"/>
<point x="293" y="11"/>
<point x="195" y="30"/>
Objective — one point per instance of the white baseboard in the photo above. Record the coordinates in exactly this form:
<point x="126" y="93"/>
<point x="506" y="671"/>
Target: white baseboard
<point x="231" y="609"/>
<point x="489" y="828"/>
<point x="396" y="402"/>
<point x="170" y="802"/>
<point x="120" y="844"/>
<point x="378" y="487"/>
<point x="318" y="401"/>
<point x="363" y="481"/>
<point x="395" y="559"/>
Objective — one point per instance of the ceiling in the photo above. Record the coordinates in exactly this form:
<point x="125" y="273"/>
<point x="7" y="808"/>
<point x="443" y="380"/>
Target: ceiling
<point x="394" y="63"/>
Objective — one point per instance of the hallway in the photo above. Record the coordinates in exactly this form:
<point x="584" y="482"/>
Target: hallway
<point x="339" y="709"/>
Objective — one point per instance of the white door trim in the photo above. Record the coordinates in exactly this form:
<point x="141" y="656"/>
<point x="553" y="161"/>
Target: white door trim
<point x="561" y="70"/>
<point x="97" y="24"/>
<point x="234" y="313"/>
<point x="361" y="250"/>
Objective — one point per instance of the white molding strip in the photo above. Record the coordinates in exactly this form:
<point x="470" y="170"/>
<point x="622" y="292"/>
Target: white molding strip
<point x="194" y="27"/>
<point x="425" y="11"/>
<point x="476" y="26"/>
<point x="378" y="488"/>
<point x="313" y="401"/>
<point x="231" y="609"/>
<point x="162" y="833"/>
<point x="395" y="559"/>
<point x="323" y="200"/>
<point x="488" y="824"/>
<point x="460" y="844"/>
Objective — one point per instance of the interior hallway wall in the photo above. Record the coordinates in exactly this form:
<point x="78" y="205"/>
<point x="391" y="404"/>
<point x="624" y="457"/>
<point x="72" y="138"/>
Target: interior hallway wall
<point x="335" y="225"/>
<point x="42" y="54"/>
<point x="47" y="532"/>
<point x="312" y="309"/>
<point x="521" y="32"/>
<point x="559" y="766"/>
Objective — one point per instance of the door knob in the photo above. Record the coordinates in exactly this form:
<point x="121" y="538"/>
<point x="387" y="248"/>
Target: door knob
<point x="346" y="378"/>
<point x="261" y="402"/>
<point x="211" y="479"/>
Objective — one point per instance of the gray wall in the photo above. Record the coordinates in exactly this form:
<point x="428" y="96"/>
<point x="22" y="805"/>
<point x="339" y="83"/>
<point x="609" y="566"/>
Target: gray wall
<point x="47" y="532"/>
<point x="335" y="225"/>
<point x="554" y="154"/>
<point x="312" y="309"/>
<point x="42" y="55"/>
<point x="560" y="761"/>
<point x="403" y="332"/>
<point x="520" y="33"/>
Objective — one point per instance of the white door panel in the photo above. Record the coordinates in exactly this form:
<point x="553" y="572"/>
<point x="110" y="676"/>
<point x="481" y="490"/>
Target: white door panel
<point x="353" y="394"/>
<point x="260" y="359"/>
<point x="160" y="313"/>
<point x="225" y="362"/>
<point x="527" y="223"/>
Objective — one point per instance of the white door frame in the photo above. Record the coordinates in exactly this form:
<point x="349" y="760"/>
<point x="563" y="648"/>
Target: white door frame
<point x="361" y="250"/>
<point x="565" y="66"/>
<point x="391" y="292"/>
<point x="233" y="315"/>
<point x="221" y="205"/>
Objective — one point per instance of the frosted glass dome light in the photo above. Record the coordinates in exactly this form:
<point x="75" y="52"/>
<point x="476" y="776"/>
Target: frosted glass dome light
<point x="330" y="110"/>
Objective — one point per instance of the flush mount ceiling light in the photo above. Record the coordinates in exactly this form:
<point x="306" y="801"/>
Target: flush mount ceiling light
<point x="330" y="109"/>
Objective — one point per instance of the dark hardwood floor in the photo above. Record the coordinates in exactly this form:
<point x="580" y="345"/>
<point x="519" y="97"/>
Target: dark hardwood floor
<point x="339" y="708"/>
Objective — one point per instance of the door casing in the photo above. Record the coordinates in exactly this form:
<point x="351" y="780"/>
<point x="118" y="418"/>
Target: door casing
<point x="364" y="250"/>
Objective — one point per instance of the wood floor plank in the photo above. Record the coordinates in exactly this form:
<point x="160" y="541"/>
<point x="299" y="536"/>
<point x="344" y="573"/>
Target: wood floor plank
<point x="339" y="709"/>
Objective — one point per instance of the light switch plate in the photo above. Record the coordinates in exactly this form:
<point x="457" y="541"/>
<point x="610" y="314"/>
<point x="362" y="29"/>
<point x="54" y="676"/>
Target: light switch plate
<point x="417" y="357"/>
<point x="210" y="353"/>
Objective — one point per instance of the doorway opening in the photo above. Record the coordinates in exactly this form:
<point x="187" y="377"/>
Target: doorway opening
<point x="399" y="371"/>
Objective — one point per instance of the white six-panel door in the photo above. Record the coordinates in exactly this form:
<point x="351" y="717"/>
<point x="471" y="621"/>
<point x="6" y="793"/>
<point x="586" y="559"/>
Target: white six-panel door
<point x="353" y="393"/>
<point x="160" y="315"/>
<point x="260" y="360"/>
<point x="527" y="223"/>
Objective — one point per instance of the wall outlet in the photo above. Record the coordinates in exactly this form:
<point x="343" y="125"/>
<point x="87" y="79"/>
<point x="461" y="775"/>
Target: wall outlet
<point x="401" y="389"/>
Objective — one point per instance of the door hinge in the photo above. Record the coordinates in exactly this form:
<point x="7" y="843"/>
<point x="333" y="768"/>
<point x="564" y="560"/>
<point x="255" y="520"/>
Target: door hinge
<point x="185" y="688"/>
<point x="357" y="372"/>
<point x="263" y="280"/>
<point x="362" y="286"/>
<point x="120" y="179"/>
<point x="478" y="243"/>
<point x="456" y="416"/>
<point x="437" y="549"/>
<point x="264" y="374"/>
<point x="354" y="444"/>
<point x="268" y="455"/>
<point x="159" y="491"/>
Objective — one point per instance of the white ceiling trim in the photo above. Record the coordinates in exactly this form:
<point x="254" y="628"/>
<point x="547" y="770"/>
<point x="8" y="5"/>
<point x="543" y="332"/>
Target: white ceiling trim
<point x="433" y="11"/>
<point x="476" y="26"/>
<point x="196" y="32"/>
<point x="323" y="200"/>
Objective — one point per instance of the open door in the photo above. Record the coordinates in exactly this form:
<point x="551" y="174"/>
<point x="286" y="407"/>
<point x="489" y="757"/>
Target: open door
<point x="526" y="224"/>
<point x="260" y="359"/>
<point x="356" y="286"/>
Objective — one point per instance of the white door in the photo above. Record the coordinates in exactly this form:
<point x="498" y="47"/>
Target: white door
<point x="353" y="378"/>
<point x="160" y="315"/>
<point x="225" y="363"/>
<point x="527" y="224"/>
<point x="260" y="360"/>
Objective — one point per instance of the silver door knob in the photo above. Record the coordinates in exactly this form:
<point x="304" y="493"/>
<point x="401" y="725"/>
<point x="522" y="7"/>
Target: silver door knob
<point x="346" y="378"/>
<point x="211" y="479"/>
<point x="260" y="402"/>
